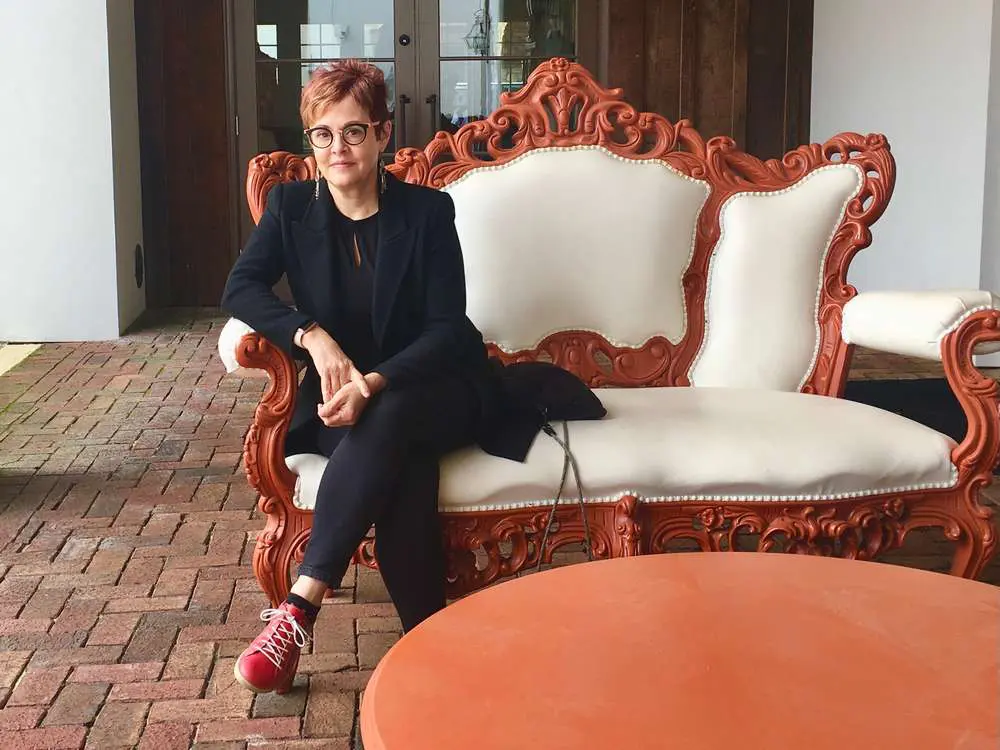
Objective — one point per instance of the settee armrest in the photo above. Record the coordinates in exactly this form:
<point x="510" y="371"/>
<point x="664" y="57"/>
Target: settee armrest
<point x="229" y="340"/>
<point x="949" y="326"/>
<point x="913" y="324"/>
<point x="264" y="445"/>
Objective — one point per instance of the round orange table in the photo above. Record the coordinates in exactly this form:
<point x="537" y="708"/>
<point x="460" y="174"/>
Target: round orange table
<point x="699" y="650"/>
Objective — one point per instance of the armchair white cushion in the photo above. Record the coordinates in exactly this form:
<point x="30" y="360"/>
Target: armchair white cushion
<point x="912" y="323"/>
<point x="229" y="337"/>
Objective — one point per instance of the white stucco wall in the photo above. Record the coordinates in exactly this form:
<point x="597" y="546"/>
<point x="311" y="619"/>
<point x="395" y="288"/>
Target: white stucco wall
<point x="59" y="251"/>
<point x="989" y="274"/>
<point x="125" y="153"/>
<point x="919" y="72"/>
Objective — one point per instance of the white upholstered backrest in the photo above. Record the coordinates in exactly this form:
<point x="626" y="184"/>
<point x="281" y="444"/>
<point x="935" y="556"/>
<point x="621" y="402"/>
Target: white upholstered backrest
<point x="765" y="282"/>
<point x="576" y="238"/>
<point x="580" y="238"/>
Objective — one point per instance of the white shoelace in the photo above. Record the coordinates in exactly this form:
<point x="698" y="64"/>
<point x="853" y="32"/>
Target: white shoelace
<point x="275" y="647"/>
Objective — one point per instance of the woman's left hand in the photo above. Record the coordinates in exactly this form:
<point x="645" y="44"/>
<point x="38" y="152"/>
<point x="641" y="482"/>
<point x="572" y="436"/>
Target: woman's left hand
<point x="345" y="408"/>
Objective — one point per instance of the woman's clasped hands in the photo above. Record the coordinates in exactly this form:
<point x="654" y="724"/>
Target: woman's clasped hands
<point x="345" y="389"/>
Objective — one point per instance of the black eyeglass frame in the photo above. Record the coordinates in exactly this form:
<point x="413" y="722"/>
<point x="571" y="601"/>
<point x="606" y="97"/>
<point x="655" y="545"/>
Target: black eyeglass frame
<point x="368" y="126"/>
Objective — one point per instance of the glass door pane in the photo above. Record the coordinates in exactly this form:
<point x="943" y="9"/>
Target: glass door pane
<point x="294" y="37"/>
<point x="487" y="47"/>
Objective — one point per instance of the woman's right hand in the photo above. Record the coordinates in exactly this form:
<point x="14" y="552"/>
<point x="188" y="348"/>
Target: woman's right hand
<point x="334" y="367"/>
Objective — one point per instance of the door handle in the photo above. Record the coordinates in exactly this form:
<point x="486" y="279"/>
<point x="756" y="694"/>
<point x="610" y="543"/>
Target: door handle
<point x="402" y="140"/>
<point x="435" y="117"/>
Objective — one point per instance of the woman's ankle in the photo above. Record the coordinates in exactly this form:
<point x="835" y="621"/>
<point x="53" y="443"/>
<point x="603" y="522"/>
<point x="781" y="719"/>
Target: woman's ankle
<point x="310" y="589"/>
<point x="311" y="610"/>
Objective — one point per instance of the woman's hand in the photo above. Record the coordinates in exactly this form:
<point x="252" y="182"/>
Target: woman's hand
<point x="347" y="404"/>
<point x="334" y="367"/>
<point x="345" y="408"/>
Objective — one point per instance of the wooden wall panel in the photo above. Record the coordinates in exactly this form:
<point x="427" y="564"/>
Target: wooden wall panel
<point x="798" y="73"/>
<point x="720" y="91"/>
<point x="663" y="57"/>
<point x="186" y="145"/>
<point x="739" y="68"/>
<point x="626" y="58"/>
<point x="768" y="53"/>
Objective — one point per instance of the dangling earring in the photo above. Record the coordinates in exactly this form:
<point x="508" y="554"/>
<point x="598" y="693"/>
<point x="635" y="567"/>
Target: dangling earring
<point x="381" y="176"/>
<point x="316" y="191"/>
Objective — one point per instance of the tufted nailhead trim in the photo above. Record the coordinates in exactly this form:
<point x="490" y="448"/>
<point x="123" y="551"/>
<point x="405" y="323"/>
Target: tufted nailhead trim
<point x="510" y="348"/>
<point x="722" y="499"/>
<point x="962" y="318"/>
<point x="822" y="261"/>
<point x="487" y="167"/>
<point x="660" y="499"/>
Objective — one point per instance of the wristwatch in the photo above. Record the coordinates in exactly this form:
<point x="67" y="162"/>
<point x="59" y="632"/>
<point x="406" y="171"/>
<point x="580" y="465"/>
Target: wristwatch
<point x="300" y="332"/>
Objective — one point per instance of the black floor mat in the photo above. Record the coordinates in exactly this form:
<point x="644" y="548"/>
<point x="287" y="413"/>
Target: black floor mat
<point x="928" y="401"/>
<point x="925" y="400"/>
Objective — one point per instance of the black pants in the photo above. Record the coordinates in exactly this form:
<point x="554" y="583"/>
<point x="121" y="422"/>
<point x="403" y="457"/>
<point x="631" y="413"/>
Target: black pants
<point x="384" y="470"/>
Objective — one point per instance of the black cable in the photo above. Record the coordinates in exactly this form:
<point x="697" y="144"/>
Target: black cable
<point x="569" y="461"/>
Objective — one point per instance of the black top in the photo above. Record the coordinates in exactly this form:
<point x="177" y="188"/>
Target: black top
<point x="354" y="245"/>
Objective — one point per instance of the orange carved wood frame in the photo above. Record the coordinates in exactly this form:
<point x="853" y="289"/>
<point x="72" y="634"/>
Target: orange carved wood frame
<point x="562" y="105"/>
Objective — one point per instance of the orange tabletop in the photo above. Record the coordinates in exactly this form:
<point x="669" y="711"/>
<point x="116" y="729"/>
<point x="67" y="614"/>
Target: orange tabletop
<point x="699" y="650"/>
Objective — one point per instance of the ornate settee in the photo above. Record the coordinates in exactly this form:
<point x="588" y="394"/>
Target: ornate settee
<point x="703" y="292"/>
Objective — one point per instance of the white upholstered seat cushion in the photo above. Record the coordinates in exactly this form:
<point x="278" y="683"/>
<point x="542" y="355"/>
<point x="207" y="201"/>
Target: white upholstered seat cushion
<point x="673" y="444"/>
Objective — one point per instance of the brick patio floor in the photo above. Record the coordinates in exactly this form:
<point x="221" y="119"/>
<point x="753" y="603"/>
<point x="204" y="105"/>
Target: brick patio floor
<point x="126" y="531"/>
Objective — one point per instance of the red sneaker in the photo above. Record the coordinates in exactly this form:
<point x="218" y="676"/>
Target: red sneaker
<point x="269" y="663"/>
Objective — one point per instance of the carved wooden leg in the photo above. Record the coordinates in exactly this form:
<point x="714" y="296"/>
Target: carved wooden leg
<point x="281" y="542"/>
<point x="975" y="544"/>
<point x="272" y="578"/>
<point x="628" y="530"/>
<point x="969" y="557"/>
<point x="274" y="581"/>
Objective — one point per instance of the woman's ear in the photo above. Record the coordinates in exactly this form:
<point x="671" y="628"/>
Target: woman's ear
<point x="385" y="130"/>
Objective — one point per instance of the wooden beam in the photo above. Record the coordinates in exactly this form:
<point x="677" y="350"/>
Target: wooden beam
<point x="626" y="45"/>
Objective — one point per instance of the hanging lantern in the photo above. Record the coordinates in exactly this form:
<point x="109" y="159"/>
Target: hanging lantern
<point x="477" y="40"/>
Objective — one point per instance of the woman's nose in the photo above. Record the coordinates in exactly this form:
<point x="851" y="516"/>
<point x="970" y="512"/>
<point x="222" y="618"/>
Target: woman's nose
<point x="339" y="145"/>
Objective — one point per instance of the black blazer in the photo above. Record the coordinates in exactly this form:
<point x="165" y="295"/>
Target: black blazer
<point x="418" y="297"/>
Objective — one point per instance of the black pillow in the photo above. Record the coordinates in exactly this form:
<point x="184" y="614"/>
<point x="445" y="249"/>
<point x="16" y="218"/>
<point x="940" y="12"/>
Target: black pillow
<point x="529" y="395"/>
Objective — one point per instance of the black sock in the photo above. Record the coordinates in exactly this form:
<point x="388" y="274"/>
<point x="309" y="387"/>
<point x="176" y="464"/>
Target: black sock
<point x="308" y="607"/>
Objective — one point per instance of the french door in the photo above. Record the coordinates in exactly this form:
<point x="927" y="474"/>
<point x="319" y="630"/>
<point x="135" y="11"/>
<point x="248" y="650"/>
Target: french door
<point x="471" y="51"/>
<point x="446" y="62"/>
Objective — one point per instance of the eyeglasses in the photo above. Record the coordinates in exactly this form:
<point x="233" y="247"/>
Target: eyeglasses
<point x="353" y="134"/>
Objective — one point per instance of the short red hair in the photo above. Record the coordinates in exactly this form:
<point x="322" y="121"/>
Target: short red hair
<point x="332" y="82"/>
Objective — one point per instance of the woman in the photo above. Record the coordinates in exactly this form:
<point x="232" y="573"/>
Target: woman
<point x="396" y="371"/>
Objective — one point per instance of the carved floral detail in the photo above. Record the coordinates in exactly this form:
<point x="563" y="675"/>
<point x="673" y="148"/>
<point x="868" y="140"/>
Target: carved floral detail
<point x="865" y="532"/>
<point x="268" y="170"/>
<point x="508" y="541"/>
<point x="627" y="528"/>
<point x="712" y="526"/>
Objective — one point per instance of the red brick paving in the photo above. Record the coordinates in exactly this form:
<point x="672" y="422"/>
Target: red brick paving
<point x="126" y="531"/>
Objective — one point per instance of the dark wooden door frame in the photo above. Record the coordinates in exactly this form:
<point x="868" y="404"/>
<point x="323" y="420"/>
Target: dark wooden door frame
<point x="186" y="149"/>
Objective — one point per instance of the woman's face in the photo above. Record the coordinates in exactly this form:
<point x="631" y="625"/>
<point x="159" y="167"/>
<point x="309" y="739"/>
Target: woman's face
<point x="347" y="145"/>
